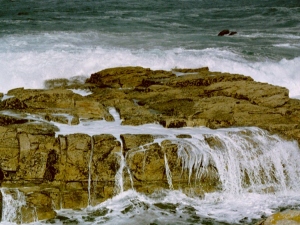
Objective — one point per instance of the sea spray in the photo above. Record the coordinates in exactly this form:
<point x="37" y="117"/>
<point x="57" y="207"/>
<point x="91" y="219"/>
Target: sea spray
<point x="119" y="183"/>
<point x="168" y="173"/>
<point x="12" y="202"/>
<point x="85" y="62"/>
<point x="120" y="177"/>
<point x="245" y="161"/>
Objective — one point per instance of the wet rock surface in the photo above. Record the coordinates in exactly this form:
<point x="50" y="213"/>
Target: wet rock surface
<point x="76" y="170"/>
<point x="179" y="98"/>
<point x="287" y="217"/>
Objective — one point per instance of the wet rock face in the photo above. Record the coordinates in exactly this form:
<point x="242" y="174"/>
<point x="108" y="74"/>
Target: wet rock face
<point x="13" y="103"/>
<point x="51" y="169"/>
<point x="128" y="77"/>
<point x="287" y="217"/>
<point x="77" y="170"/>
<point x="178" y="98"/>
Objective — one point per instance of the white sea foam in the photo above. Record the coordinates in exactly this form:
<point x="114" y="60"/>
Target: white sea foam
<point x="81" y="92"/>
<point x="29" y="61"/>
<point x="251" y="150"/>
<point x="287" y="45"/>
<point x="174" y="207"/>
<point x="271" y="35"/>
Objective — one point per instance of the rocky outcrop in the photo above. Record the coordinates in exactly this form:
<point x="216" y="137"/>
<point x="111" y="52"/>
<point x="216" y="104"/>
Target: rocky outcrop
<point x="76" y="170"/>
<point x="128" y="77"/>
<point x="287" y="217"/>
<point x="223" y="32"/>
<point x="178" y="98"/>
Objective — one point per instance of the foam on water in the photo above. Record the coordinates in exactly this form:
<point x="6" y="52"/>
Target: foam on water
<point x="81" y="92"/>
<point x="28" y="63"/>
<point x="13" y="200"/>
<point x="174" y="207"/>
<point x="272" y="179"/>
<point x="257" y="172"/>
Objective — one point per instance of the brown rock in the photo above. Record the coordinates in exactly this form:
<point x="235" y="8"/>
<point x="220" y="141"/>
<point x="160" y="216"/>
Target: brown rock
<point x="76" y="170"/>
<point x="34" y="150"/>
<point x="13" y="103"/>
<point x="255" y="92"/>
<point x="135" y="141"/>
<point x="104" y="166"/>
<point x="205" y="79"/>
<point x="90" y="109"/>
<point x="187" y="70"/>
<point x="125" y="77"/>
<point x="78" y="157"/>
<point x="9" y="149"/>
<point x="41" y="204"/>
<point x="288" y="217"/>
<point x="147" y="163"/>
<point x="75" y="199"/>
<point x="204" y="180"/>
<point x="105" y="148"/>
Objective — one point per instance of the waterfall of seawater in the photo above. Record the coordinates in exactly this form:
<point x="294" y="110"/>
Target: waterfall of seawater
<point x="168" y="173"/>
<point x="254" y="173"/>
<point x="251" y="160"/>
<point x="119" y="178"/>
<point x="12" y="202"/>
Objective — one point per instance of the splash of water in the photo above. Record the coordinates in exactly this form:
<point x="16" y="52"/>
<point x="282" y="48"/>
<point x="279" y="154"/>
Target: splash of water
<point x="168" y="173"/>
<point x="246" y="161"/>
<point x="13" y="201"/>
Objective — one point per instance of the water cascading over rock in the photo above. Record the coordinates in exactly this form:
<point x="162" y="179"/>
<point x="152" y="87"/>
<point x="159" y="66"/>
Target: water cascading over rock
<point x="61" y="149"/>
<point x="81" y="170"/>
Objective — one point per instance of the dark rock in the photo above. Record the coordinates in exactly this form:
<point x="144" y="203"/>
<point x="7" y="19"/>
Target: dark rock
<point x="183" y="136"/>
<point x="51" y="169"/>
<point x="23" y="13"/>
<point x="8" y="120"/>
<point x="223" y="32"/>
<point x="13" y="103"/>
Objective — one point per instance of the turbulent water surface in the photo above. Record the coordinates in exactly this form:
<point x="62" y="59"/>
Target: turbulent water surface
<point x="42" y="40"/>
<point x="50" y="39"/>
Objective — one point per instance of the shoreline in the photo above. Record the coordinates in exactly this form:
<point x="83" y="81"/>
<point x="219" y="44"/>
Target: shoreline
<point x="61" y="169"/>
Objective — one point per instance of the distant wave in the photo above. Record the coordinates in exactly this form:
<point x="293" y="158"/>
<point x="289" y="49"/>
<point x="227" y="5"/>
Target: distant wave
<point x="30" y="68"/>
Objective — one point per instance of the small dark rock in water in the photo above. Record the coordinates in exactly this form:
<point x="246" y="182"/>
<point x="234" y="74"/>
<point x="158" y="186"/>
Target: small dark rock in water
<point x="223" y="32"/>
<point x="22" y="13"/>
<point x="232" y="33"/>
<point x="184" y="136"/>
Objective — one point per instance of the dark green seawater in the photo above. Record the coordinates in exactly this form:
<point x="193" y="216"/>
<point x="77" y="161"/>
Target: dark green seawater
<point x="45" y="39"/>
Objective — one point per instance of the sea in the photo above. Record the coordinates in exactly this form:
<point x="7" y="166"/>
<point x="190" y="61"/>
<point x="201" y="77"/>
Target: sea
<point x="41" y="40"/>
